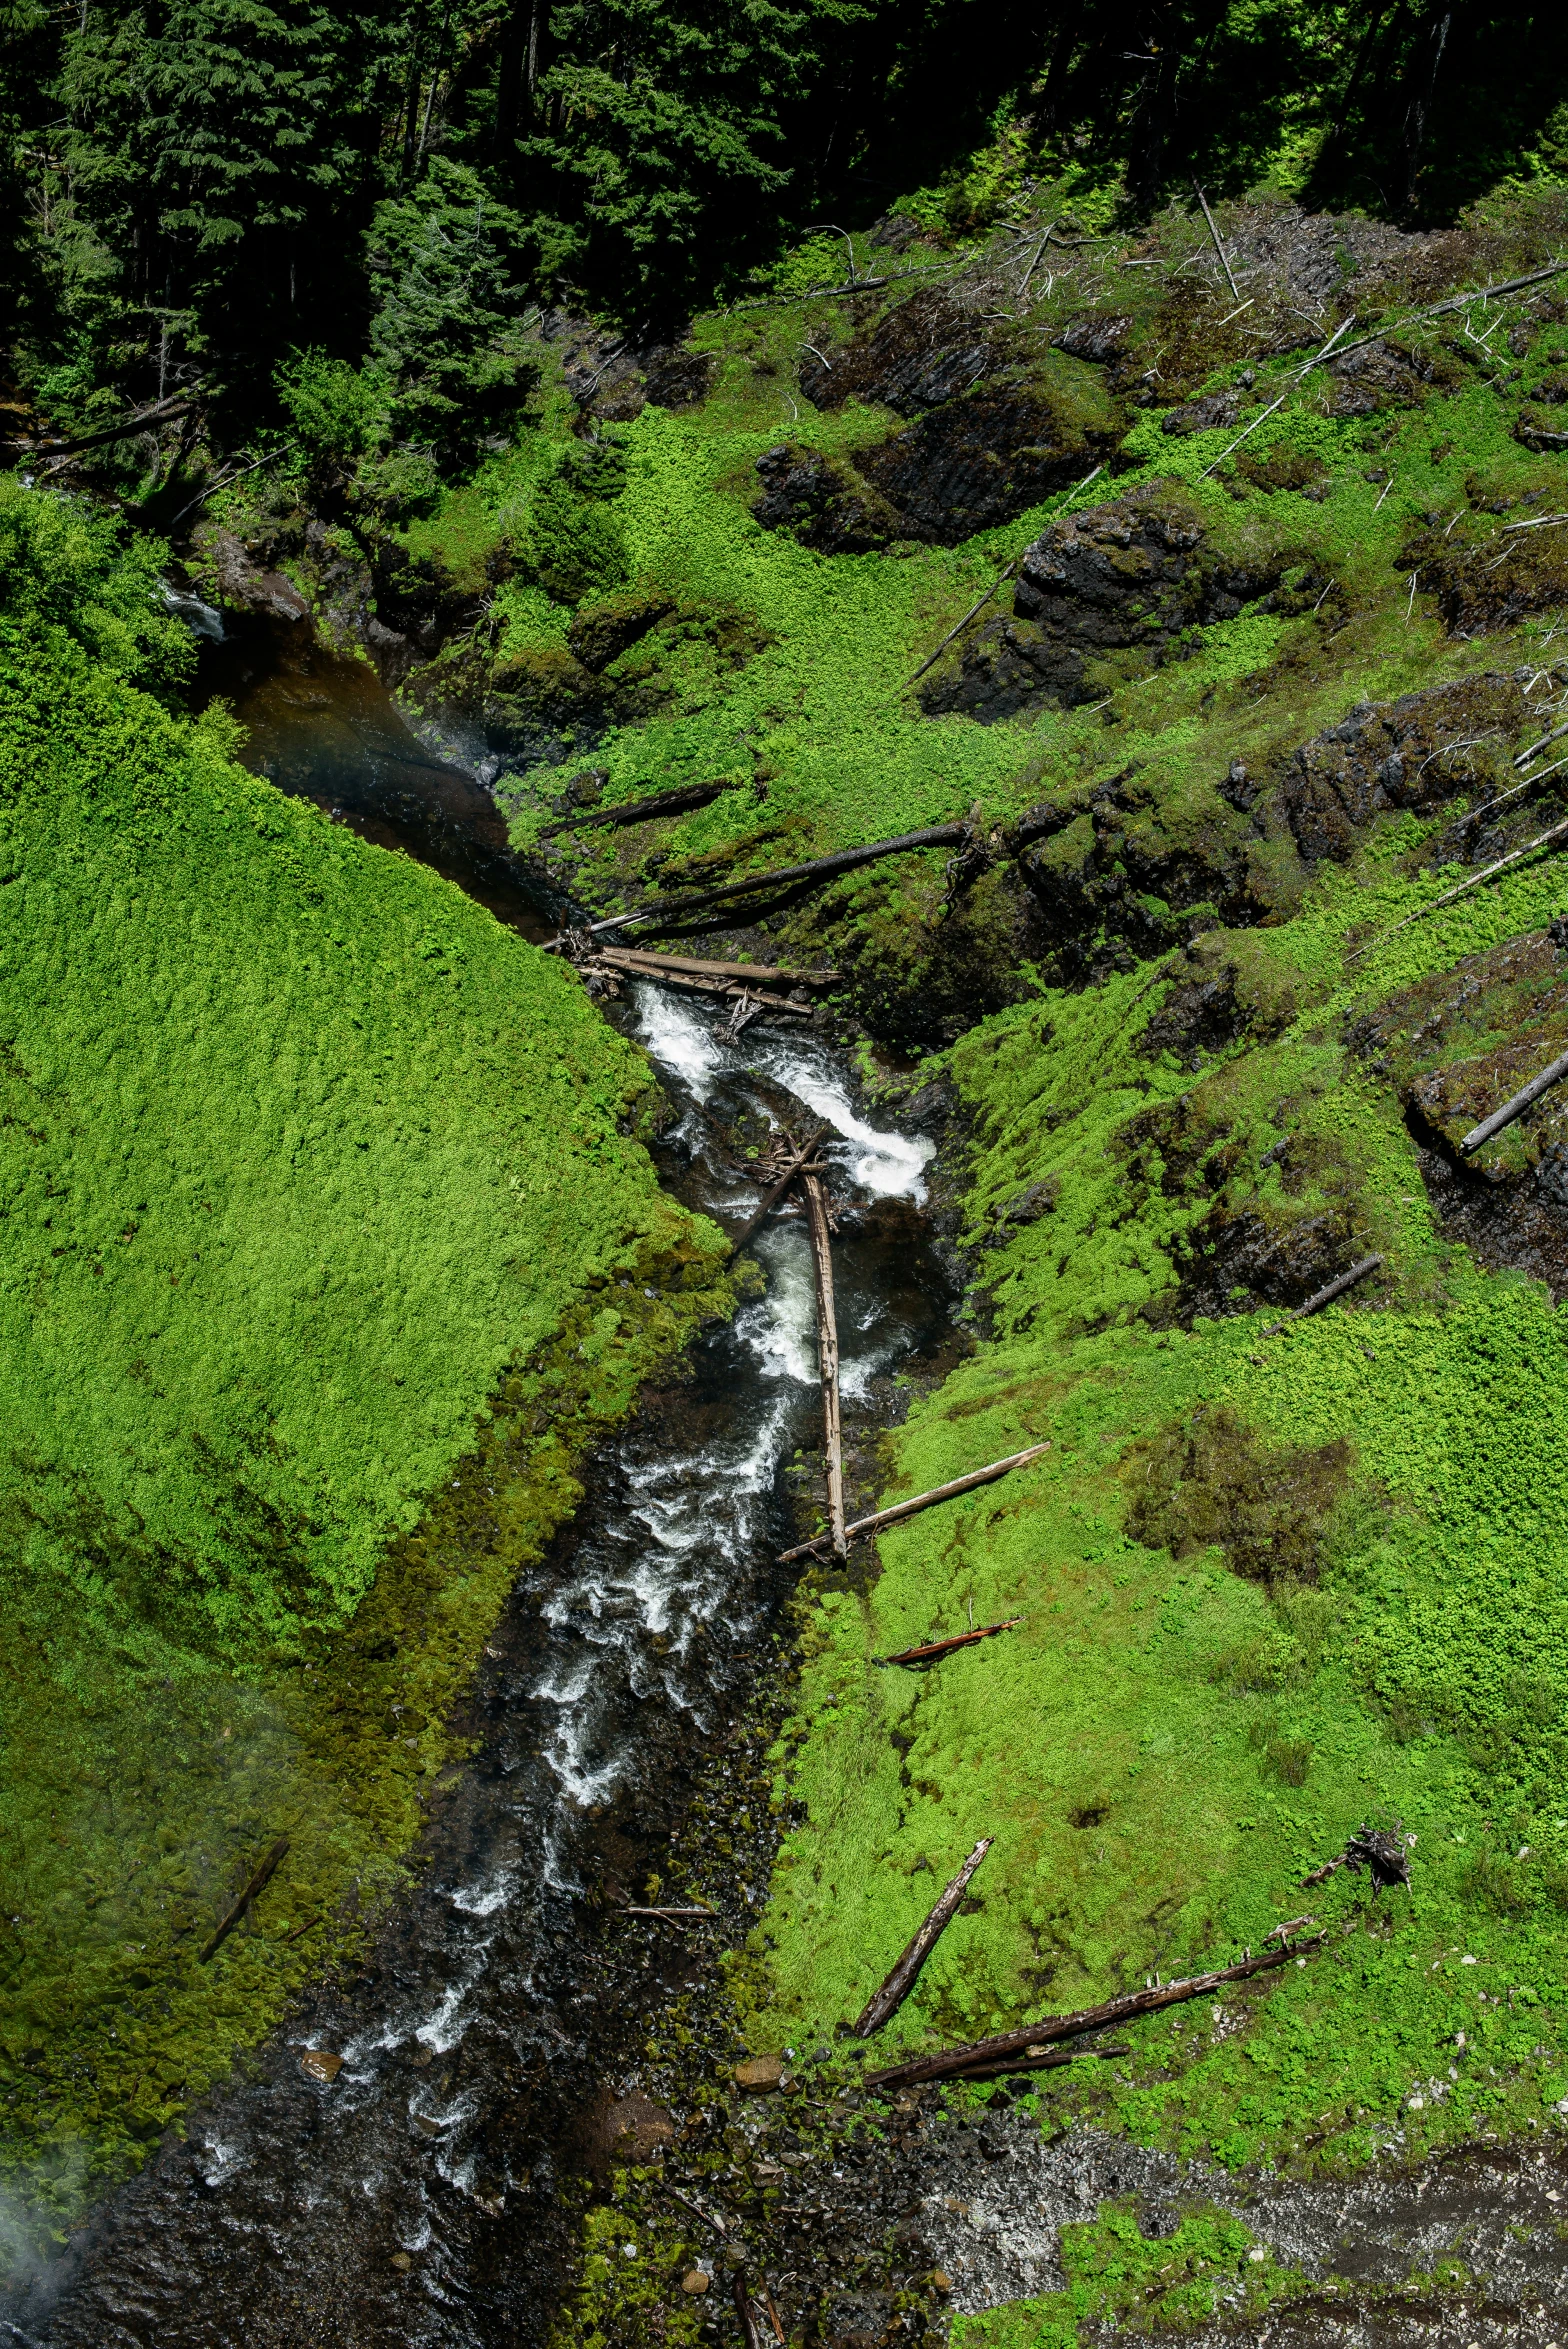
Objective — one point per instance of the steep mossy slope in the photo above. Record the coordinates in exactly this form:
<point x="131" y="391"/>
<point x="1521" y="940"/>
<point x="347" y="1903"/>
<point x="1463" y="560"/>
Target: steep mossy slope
<point x="318" y="1184"/>
<point x="1210" y="1025"/>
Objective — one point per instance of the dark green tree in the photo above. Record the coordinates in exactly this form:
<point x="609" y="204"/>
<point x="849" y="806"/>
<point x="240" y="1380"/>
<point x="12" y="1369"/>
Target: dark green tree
<point x="451" y="272"/>
<point x="228" y="154"/>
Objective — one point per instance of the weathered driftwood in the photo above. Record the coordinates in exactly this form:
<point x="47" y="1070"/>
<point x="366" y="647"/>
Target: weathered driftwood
<point x="949" y="2062"/>
<point x="944" y="1647"/>
<point x="827" y="1354"/>
<point x="911" y="1508"/>
<point x="1552" y="1074"/>
<point x="1544" y="743"/>
<point x="1384" y="1851"/>
<point x="770" y="1199"/>
<point x="257" y="1878"/>
<point x="886" y="2002"/>
<point x="642" y="958"/>
<point x="1235" y="293"/>
<point x="1542" y="840"/>
<point x="1326" y="1295"/>
<point x="641" y="811"/>
<point x="671" y="910"/>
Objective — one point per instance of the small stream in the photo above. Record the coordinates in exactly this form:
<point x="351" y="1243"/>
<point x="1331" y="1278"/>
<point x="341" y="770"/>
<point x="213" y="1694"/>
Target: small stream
<point x="414" y="2200"/>
<point x="419" y="2198"/>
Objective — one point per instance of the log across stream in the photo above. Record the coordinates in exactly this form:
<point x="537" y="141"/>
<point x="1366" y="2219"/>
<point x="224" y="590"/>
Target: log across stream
<point x="416" y="2199"/>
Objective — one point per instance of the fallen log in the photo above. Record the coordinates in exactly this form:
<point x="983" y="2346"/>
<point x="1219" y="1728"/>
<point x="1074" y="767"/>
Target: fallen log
<point x="1552" y="1074"/>
<point x="259" y="1876"/>
<point x="1041" y="2060"/>
<point x="1542" y="840"/>
<point x="886" y="2002"/>
<point x="606" y="966"/>
<point x="1327" y="1294"/>
<point x="771" y="1198"/>
<point x="821" y="868"/>
<point x="902" y="1509"/>
<point x="827" y="1354"/>
<point x="642" y="811"/>
<point x="944" y="1647"/>
<point x="784" y="974"/>
<point x="951" y="2062"/>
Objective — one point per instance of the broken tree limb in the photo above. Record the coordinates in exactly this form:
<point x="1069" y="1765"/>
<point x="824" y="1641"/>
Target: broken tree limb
<point x="1551" y="1075"/>
<point x="942" y="1492"/>
<point x="780" y="974"/>
<point x="1001" y="578"/>
<point x="1326" y="1295"/>
<point x="1541" y="840"/>
<point x="1385" y="1851"/>
<point x="258" y="1877"/>
<point x="885" y="2003"/>
<point x="771" y="1198"/>
<point x="709" y="2218"/>
<point x="631" y="1912"/>
<point x="641" y="811"/>
<point x="952" y="2062"/>
<point x="744" y="2310"/>
<point x="827" y="1353"/>
<point x="978" y="605"/>
<point x="944" y="1647"/>
<point x="671" y="910"/>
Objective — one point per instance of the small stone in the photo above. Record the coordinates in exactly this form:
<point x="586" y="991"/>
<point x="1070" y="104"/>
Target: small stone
<point x="941" y="2281"/>
<point x="759" y="2074"/>
<point x="319" y="2063"/>
<point x="400" y="2259"/>
<point x="695" y="2281"/>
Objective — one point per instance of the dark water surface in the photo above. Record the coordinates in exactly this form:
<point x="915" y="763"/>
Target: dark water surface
<point x="417" y="2198"/>
<point x="324" y="727"/>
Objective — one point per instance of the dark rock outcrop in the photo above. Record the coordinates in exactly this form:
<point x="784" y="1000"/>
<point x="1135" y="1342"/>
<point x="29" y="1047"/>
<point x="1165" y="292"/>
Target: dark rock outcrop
<point x="1418" y="752"/>
<point x="916" y="355"/>
<point x="825" y="506"/>
<point x="1128" y="577"/>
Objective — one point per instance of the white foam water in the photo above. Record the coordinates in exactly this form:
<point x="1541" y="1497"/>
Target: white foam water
<point x="660" y="1565"/>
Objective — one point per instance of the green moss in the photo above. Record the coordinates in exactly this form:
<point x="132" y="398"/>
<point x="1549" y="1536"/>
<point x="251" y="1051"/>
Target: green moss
<point x="1208" y="2264"/>
<point x="325" y="1251"/>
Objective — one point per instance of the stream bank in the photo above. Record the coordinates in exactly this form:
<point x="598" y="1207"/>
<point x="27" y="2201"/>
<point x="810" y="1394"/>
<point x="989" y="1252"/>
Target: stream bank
<point x="417" y="2187"/>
